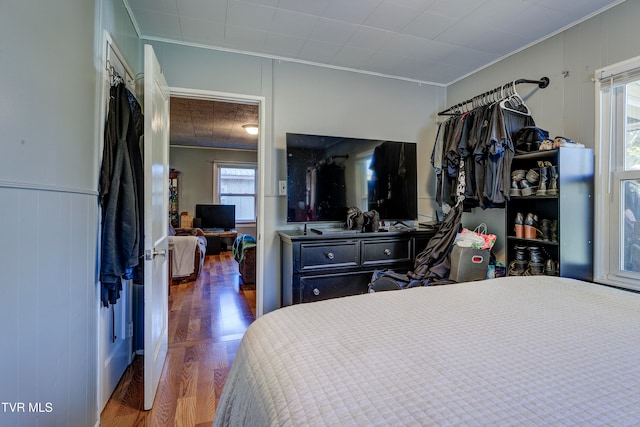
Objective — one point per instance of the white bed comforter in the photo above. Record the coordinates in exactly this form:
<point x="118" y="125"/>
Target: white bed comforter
<point x="511" y="351"/>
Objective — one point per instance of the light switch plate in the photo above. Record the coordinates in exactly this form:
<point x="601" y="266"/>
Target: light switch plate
<point x="282" y="188"/>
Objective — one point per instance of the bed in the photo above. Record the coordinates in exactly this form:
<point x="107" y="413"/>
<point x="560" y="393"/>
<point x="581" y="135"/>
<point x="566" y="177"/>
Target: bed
<point x="534" y="350"/>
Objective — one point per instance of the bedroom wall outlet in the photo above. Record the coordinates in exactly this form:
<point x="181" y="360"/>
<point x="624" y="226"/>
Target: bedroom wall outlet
<point x="282" y="188"/>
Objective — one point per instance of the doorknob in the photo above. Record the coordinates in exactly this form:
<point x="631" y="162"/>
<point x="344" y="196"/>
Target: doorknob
<point x="149" y="255"/>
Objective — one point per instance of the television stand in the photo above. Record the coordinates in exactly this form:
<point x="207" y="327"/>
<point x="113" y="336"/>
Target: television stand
<point x="219" y="239"/>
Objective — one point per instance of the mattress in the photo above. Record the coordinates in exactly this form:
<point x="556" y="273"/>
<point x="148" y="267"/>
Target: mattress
<point x="520" y="351"/>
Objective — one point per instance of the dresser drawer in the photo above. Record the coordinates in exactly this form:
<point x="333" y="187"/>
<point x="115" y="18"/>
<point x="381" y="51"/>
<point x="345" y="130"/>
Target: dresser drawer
<point x="386" y="251"/>
<point x="329" y="255"/>
<point x="326" y="286"/>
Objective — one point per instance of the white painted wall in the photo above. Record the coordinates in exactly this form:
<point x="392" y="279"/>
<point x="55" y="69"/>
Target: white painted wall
<point x="567" y="106"/>
<point x="48" y="208"/>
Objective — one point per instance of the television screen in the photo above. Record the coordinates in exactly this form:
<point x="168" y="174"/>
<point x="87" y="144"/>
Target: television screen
<point x="327" y="175"/>
<point x="220" y="217"/>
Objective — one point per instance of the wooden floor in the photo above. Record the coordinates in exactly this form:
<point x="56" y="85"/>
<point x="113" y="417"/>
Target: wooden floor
<point x="207" y="319"/>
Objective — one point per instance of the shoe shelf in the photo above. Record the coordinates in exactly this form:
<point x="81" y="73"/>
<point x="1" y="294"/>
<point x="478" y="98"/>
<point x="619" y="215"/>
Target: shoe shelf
<point x="532" y="241"/>
<point x="534" y="197"/>
<point x="564" y="217"/>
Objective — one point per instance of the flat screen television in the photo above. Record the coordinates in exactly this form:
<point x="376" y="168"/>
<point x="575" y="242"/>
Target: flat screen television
<point x="326" y="175"/>
<point x="219" y="217"/>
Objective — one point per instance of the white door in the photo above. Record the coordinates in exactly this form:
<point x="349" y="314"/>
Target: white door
<point x="156" y="223"/>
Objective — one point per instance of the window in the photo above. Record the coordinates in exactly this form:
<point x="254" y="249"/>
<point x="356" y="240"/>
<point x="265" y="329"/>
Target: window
<point x="618" y="184"/>
<point x="235" y="184"/>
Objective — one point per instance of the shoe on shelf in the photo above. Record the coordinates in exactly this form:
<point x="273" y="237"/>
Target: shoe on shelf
<point x="547" y="144"/>
<point x="544" y="180"/>
<point x="550" y="268"/>
<point x="518" y="174"/>
<point x="553" y="179"/>
<point x="536" y="255"/>
<point x="531" y="226"/>
<point x="545" y="229"/>
<point x="515" y="189"/>
<point x="526" y="188"/>
<point x="517" y="268"/>
<point x="532" y="176"/>
<point x="519" y="225"/>
<point x="535" y="269"/>
<point x="553" y="228"/>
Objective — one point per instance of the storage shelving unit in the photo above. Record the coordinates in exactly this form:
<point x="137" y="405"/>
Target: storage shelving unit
<point x="572" y="208"/>
<point x="174" y="213"/>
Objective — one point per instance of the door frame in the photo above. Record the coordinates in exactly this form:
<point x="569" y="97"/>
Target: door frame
<point x="261" y="102"/>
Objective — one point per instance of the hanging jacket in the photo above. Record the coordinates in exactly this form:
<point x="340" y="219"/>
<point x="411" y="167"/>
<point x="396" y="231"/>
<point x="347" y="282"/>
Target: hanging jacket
<point x="120" y="220"/>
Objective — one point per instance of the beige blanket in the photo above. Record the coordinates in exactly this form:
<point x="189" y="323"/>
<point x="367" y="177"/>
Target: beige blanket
<point x="184" y="252"/>
<point x="511" y="351"/>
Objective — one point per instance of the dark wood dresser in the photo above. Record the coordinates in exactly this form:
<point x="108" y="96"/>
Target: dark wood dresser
<point x="317" y="266"/>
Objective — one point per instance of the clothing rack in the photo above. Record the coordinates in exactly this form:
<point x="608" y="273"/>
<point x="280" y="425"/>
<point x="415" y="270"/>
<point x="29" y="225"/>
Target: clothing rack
<point x="491" y="96"/>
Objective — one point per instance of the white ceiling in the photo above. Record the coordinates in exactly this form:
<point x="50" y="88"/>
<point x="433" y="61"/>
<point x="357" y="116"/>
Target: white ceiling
<point x="431" y="41"/>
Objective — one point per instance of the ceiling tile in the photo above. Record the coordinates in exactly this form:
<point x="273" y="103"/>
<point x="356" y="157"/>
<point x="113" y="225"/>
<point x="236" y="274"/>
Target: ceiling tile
<point x="160" y="6"/>
<point x="249" y="16"/>
<point x="213" y="10"/>
<point x="352" y="11"/>
<point x="311" y="7"/>
<point x="329" y="31"/>
<point x="391" y="16"/>
<point x="293" y="24"/>
<point x="415" y="4"/>
<point x="245" y="38"/>
<point x="200" y="31"/>
<point x="271" y="3"/>
<point x="404" y="44"/>
<point x="369" y="38"/>
<point x="457" y="9"/>
<point x="428" y="25"/>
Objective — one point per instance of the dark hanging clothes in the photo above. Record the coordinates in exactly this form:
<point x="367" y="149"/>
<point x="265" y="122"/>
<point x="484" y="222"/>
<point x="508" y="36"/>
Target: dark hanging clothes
<point x="119" y="196"/>
<point x="481" y="139"/>
<point x="135" y="146"/>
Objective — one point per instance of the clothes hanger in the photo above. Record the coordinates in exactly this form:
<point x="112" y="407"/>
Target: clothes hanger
<point x="505" y="104"/>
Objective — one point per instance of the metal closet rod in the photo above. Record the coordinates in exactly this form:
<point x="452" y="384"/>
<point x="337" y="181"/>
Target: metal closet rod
<point x="542" y="83"/>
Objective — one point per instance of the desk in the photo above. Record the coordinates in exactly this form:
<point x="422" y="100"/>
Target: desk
<point x="219" y="240"/>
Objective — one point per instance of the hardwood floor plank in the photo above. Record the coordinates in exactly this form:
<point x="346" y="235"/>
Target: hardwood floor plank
<point x="207" y="319"/>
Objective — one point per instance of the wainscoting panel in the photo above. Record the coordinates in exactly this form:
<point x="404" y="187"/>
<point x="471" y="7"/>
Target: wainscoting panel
<point x="48" y="306"/>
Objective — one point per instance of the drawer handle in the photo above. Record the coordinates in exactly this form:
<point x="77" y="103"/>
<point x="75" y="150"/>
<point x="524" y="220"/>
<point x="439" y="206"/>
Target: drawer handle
<point x="316" y="291"/>
<point x="387" y="252"/>
<point x="330" y="255"/>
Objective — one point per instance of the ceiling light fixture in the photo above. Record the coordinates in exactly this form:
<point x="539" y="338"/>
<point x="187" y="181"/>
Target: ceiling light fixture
<point x="251" y="129"/>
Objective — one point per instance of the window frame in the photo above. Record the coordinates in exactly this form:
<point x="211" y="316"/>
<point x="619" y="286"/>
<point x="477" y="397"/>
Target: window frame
<point x="610" y="144"/>
<point x="217" y="166"/>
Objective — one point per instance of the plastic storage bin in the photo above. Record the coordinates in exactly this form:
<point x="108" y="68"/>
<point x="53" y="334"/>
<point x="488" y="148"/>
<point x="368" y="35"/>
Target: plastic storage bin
<point x="468" y="264"/>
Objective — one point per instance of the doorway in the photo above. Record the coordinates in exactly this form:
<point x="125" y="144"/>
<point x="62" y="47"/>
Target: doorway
<point x="208" y="127"/>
